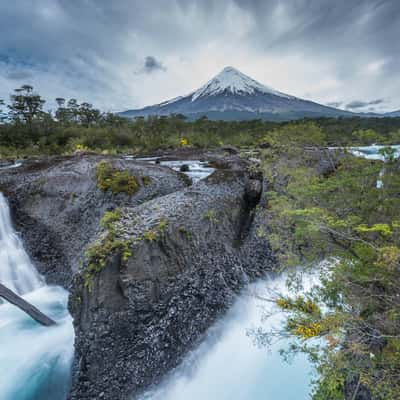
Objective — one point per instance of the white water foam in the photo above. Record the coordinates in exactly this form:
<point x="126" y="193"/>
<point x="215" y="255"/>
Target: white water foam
<point x="229" y="366"/>
<point x="34" y="360"/>
<point x="16" y="270"/>
<point x="198" y="170"/>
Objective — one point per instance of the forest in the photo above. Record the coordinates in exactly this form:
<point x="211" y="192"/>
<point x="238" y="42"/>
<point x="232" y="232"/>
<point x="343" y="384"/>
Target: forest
<point x="343" y="227"/>
<point x="27" y="129"/>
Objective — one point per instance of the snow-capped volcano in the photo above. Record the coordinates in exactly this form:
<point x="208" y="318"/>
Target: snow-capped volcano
<point x="233" y="95"/>
<point x="232" y="81"/>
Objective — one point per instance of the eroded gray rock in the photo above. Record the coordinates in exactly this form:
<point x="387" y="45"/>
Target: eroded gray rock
<point x="137" y="321"/>
<point x="56" y="206"/>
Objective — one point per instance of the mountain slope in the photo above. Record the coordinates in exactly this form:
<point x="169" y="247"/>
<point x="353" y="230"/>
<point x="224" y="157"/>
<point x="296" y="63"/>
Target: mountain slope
<point x="393" y="114"/>
<point x="234" y="95"/>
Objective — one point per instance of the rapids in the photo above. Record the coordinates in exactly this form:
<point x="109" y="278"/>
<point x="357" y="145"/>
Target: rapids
<point x="35" y="361"/>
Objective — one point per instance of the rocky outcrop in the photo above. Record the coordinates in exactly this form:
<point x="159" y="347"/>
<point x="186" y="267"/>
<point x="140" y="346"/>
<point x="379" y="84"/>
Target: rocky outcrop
<point x="190" y="253"/>
<point x="56" y="205"/>
<point x="170" y="262"/>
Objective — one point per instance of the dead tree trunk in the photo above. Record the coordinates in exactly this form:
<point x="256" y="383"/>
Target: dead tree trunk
<point x="23" y="305"/>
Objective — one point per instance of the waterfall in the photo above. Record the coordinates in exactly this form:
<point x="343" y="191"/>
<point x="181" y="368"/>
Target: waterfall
<point x="229" y="366"/>
<point x="16" y="269"/>
<point x="35" y="360"/>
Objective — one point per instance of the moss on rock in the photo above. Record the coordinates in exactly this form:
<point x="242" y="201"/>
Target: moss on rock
<point x="102" y="249"/>
<point x="118" y="181"/>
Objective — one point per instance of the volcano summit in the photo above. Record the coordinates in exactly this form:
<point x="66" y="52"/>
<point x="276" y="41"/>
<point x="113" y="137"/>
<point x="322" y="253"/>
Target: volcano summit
<point x="232" y="95"/>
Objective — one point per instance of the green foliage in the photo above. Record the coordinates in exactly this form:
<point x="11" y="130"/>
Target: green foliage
<point x="330" y="385"/>
<point x="300" y="134"/>
<point x="98" y="253"/>
<point x="109" y="218"/>
<point x="382" y="229"/>
<point x="157" y="232"/>
<point x="211" y="216"/>
<point x="344" y="216"/>
<point x="150" y="236"/>
<point x="146" y="180"/>
<point x="388" y="153"/>
<point x="29" y="130"/>
<point x="184" y="231"/>
<point x="26" y="106"/>
<point x="109" y="178"/>
<point x="300" y="304"/>
<point x="366" y="136"/>
<point x="162" y="225"/>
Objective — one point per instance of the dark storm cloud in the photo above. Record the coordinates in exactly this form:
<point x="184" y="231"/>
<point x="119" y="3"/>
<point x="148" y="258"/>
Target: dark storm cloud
<point x="355" y="104"/>
<point x="335" y="104"/>
<point x="326" y="23"/>
<point x="92" y="46"/>
<point x="151" y="64"/>
<point x="349" y="33"/>
<point x="375" y="102"/>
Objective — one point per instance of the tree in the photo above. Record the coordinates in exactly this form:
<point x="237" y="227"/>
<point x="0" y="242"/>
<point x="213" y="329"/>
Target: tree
<point x="366" y="136"/>
<point x="26" y="106"/>
<point x="72" y="110"/>
<point x="388" y="153"/>
<point x="62" y="113"/>
<point x="296" y="134"/>
<point x="355" y="308"/>
<point x="113" y="120"/>
<point x="88" y="115"/>
<point x="1" y="111"/>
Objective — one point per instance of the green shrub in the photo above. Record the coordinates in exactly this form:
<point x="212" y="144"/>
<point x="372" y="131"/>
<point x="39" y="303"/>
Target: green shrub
<point x="109" y="218"/>
<point x="99" y="252"/>
<point x="150" y="236"/>
<point x="118" y="181"/>
<point x="156" y="232"/>
<point x="183" y="231"/>
<point x="146" y="180"/>
<point x="211" y="216"/>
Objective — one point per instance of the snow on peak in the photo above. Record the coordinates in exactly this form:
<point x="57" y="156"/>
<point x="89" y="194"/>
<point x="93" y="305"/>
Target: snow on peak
<point x="232" y="80"/>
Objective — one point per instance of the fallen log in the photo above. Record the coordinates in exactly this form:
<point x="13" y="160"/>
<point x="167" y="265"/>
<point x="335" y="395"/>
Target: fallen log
<point x="23" y="305"/>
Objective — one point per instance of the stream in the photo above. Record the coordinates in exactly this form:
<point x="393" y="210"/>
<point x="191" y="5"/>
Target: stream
<point x="373" y="153"/>
<point x="197" y="169"/>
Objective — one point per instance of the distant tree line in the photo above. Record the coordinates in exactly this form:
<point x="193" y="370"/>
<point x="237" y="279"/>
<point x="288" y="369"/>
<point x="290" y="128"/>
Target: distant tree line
<point x="26" y="128"/>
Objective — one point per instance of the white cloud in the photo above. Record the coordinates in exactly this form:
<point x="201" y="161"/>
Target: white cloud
<point x="375" y="67"/>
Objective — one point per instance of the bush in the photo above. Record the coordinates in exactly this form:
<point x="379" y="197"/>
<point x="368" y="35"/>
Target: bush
<point x="118" y="181"/>
<point x="99" y="252"/>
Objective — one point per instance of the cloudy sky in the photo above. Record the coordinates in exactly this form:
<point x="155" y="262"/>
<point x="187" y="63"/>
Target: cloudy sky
<point x="123" y="54"/>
